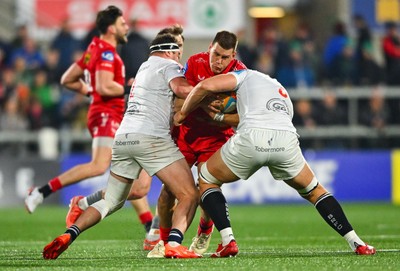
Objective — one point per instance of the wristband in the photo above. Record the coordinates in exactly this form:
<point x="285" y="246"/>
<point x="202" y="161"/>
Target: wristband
<point x="219" y="117"/>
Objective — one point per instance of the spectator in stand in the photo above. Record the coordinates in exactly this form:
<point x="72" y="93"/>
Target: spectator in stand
<point x="22" y="34"/>
<point x="338" y="57"/>
<point x="135" y="51"/>
<point x="246" y="52"/>
<point x="367" y="70"/>
<point x="48" y="98"/>
<point x="31" y="53"/>
<point x="51" y="67"/>
<point x="391" y="50"/>
<point x="7" y="86"/>
<point x="12" y="119"/>
<point x="4" y="54"/>
<point x="66" y="45"/>
<point x="301" y="70"/>
<point x="376" y="115"/>
<point x="331" y="112"/>
<point x="22" y="73"/>
<point x="272" y="52"/>
<point x="304" y="117"/>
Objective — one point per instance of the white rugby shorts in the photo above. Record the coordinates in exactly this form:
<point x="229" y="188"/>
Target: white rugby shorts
<point x="132" y="152"/>
<point x="249" y="150"/>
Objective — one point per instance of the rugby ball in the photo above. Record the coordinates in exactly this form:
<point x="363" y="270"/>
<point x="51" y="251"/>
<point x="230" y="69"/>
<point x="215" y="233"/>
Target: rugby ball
<point x="228" y="100"/>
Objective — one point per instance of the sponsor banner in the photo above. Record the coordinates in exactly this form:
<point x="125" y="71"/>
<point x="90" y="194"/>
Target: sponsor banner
<point x="17" y="176"/>
<point x="350" y="176"/>
<point x="200" y="18"/>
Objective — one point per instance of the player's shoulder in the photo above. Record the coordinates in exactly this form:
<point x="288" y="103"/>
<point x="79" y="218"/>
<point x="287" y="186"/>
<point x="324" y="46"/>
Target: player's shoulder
<point x="239" y="65"/>
<point x="202" y="57"/>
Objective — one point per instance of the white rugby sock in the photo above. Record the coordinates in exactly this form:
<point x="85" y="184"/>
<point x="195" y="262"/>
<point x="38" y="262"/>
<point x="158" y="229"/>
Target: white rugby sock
<point x="353" y="240"/>
<point x="227" y="236"/>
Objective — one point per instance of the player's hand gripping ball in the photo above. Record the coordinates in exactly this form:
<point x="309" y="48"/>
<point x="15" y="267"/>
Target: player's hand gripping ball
<point x="228" y="101"/>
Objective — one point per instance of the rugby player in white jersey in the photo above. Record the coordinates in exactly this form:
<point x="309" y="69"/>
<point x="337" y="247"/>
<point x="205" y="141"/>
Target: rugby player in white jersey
<point x="143" y="141"/>
<point x="265" y="136"/>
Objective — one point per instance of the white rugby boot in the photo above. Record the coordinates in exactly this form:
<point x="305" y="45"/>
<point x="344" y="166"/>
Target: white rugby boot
<point x="158" y="250"/>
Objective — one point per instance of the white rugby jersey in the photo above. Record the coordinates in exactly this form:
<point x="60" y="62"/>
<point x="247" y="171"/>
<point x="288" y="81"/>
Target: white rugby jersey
<point x="149" y="109"/>
<point x="262" y="102"/>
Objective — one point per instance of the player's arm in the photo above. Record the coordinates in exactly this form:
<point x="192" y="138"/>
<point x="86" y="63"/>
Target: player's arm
<point x="178" y="102"/>
<point x="180" y="87"/>
<point x="225" y="119"/>
<point x="219" y="83"/>
<point x="106" y="86"/>
<point x="72" y="79"/>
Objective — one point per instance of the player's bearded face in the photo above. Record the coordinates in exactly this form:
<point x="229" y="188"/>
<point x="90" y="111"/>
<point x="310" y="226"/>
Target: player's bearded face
<point x="121" y="31"/>
<point x="121" y="38"/>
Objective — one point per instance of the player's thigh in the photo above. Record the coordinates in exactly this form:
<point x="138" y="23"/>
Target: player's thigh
<point x="285" y="156"/>
<point x="101" y="151"/>
<point x="155" y="153"/>
<point x="238" y="157"/>
<point x="122" y="161"/>
<point x="178" y="178"/>
<point x="219" y="169"/>
<point x="143" y="183"/>
<point x="303" y="179"/>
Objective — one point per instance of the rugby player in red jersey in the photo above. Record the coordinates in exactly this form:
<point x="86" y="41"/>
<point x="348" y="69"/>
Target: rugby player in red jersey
<point x="203" y="132"/>
<point x="100" y="74"/>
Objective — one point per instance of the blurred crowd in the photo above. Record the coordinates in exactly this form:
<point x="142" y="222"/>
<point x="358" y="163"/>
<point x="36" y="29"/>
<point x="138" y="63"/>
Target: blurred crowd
<point x="31" y="97"/>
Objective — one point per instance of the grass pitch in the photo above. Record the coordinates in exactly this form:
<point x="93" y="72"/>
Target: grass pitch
<point x="270" y="237"/>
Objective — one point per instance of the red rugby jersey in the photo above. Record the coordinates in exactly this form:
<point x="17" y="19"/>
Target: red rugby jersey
<point x="100" y="55"/>
<point x="196" y="126"/>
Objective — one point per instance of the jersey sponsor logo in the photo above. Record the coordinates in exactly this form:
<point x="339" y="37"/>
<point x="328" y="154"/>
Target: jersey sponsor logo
<point x="107" y="56"/>
<point x="201" y="78"/>
<point x="201" y="60"/>
<point x="262" y="149"/>
<point x="283" y="92"/>
<point x="127" y="143"/>
<point x="278" y="105"/>
<point x="86" y="59"/>
<point x="109" y="65"/>
<point x="133" y="108"/>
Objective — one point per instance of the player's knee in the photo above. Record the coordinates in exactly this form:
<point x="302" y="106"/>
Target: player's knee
<point x="116" y="194"/>
<point x="102" y="207"/>
<point x="98" y="169"/>
<point x="207" y="177"/>
<point x="138" y="191"/>
<point x="310" y="190"/>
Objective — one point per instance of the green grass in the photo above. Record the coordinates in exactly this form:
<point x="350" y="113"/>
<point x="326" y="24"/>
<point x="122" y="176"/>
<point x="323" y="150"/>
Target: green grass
<point x="270" y="237"/>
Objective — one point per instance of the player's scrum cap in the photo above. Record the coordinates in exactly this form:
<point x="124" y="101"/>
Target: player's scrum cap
<point x="164" y="47"/>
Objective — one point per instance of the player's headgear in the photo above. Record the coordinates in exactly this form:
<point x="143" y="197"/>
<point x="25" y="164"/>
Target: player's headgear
<point x="164" y="43"/>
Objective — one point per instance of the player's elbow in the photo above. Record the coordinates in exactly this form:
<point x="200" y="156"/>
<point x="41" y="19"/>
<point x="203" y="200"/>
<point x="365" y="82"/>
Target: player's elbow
<point x="182" y="91"/>
<point x="64" y="80"/>
<point x="102" y="89"/>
